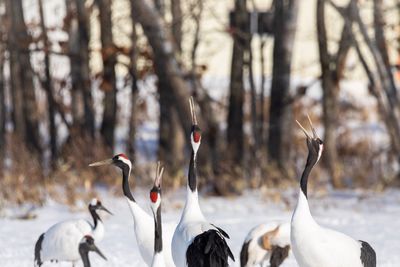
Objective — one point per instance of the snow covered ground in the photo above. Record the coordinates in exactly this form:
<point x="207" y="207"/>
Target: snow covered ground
<point x="373" y="217"/>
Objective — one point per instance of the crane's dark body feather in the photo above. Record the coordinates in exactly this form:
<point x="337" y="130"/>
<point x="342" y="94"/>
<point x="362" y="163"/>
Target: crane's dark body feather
<point x="38" y="248"/>
<point x="244" y="254"/>
<point x="209" y="249"/>
<point x="368" y="255"/>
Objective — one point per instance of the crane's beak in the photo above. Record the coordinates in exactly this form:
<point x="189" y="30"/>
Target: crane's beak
<point x="159" y="174"/>
<point x="315" y="136"/>
<point x="193" y="111"/>
<point x="100" y="163"/>
<point x="101" y="207"/>
<point x="94" y="248"/>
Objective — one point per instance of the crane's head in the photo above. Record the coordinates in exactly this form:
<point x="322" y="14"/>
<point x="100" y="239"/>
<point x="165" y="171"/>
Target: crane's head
<point x="96" y="204"/>
<point x="314" y="144"/>
<point x="195" y="135"/>
<point x="87" y="244"/>
<point x="119" y="160"/>
<point x="155" y="192"/>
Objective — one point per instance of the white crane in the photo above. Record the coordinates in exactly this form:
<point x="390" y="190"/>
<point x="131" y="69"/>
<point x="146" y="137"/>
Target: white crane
<point x="60" y="242"/>
<point x="155" y="199"/>
<point x="267" y="244"/>
<point x="143" y="222"/>
<point x="317" y="246"/>
<point x="196" y="242"/>
<point x="86" y="245"/>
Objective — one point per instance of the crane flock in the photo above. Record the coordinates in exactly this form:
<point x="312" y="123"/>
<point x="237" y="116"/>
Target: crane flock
<point x="196" y="242"/>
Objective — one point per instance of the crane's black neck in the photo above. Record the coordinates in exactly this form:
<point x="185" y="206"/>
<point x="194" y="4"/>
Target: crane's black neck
<point x="192" y="177"/>
<point x="311" y="161"/>
<point x="84" y="252"/>
<point x="95" y="216"/>
<point x="158" y="231"/>
<point x="125" y="182"/>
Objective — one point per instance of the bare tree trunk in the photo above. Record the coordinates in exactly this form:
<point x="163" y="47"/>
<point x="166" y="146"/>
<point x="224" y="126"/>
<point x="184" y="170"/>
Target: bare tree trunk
<point x="280" y="121"/>
<point x="168" y="70"/>
<point x="25" y="107"/>
<point x="177" y="21"/>
<point x="109" y="80"/>
<point x="48" y="87"/>
<point x="261" y="113"/>
<point x="3" y="109"/>
<point x="82" y="102"/>
<point x="134" y="91"/>
<point x="235" y="135"/>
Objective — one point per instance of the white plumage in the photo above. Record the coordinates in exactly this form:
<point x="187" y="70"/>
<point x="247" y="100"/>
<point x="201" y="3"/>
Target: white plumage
<point x="61" y="241"/>
<point x="258" y="244"/>
<point x="143" y="222"/>
<point x="196" y="242"/>
<point x="316" y="246"/>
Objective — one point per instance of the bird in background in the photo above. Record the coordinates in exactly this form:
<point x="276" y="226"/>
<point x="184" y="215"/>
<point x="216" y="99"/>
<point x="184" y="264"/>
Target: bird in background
<point x="266" y="244"/>
<point x="61" y="241"/>
<point x="85" y="246"/>
<point x="196" y="242"/>
<point x="143" y="222"/>
<point x="155" y="200"/>
<point x="317" y="246"/>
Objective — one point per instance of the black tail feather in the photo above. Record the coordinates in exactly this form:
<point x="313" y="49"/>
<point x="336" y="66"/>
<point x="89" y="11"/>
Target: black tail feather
<point x="244" y="254"/>
<point x="38" y="248"/>
<point x="209" y="249"/>
<point x="368" y="255"/>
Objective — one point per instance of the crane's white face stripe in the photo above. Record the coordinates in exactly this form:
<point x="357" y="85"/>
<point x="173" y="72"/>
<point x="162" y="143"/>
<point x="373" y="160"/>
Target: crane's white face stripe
<point x="93" y="202"/>
<point x="126" y="161"/>
<point x="321" y="148"/>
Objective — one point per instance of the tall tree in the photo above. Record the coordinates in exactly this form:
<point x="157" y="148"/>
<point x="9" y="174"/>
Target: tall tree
<point x="332" y="68"/>
<point x="109" y="81"/>
<point x="279" y="136"/>
<point x="235" y="136"/>
<point x="25" y="111"/>
<point x="168" y="70"/>
<point x="171" y="140"/>
<point x="47" y="84"/>
<point x="134" y="89"/>
<point x="82" y="101"/>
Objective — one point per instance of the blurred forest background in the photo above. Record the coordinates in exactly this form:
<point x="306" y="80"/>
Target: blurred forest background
<point x="81" y="80"/>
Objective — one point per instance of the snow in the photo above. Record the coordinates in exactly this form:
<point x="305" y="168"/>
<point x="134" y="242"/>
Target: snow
<point x="369" y="216"/>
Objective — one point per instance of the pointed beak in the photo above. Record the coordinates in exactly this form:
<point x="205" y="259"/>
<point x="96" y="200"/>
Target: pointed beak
<point x="94" y="248"/>
<point x="304" y="130"/>
<point x="106" y="210"/>
<point x="193" y="111"/>
<point x="100" y="163"/>
<point x="315" y="136"/>
<point x="159" y="174"/>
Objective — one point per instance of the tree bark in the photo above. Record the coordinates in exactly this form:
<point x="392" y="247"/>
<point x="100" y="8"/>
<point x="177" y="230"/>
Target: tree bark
<point x="235" y="135"/>
<point x="169" y="71"/>
<point x="280" y="121"/>
<point x="47" y="84"/>
<point x="3" y="109"/>
<point x="26" y="116"/>
<point x="82" y="102"/>
<point x="109" y="80"/>
<point x="177" y="21"/>
<point x="134" y="90"/>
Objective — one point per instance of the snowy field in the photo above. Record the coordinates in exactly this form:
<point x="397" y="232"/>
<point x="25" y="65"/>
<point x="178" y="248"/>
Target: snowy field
<point x="369" y="216"/>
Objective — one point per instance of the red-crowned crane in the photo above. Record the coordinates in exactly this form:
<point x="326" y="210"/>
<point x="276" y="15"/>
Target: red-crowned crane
<point x="143" y="222"/>
<point x="155" y="199"/>
<point x="196" y="242"/>
<point x="267" y="244"/>
<point x="61" y="241"/>
<point x="86" y="245"/>
<point x="317" y="246"/>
